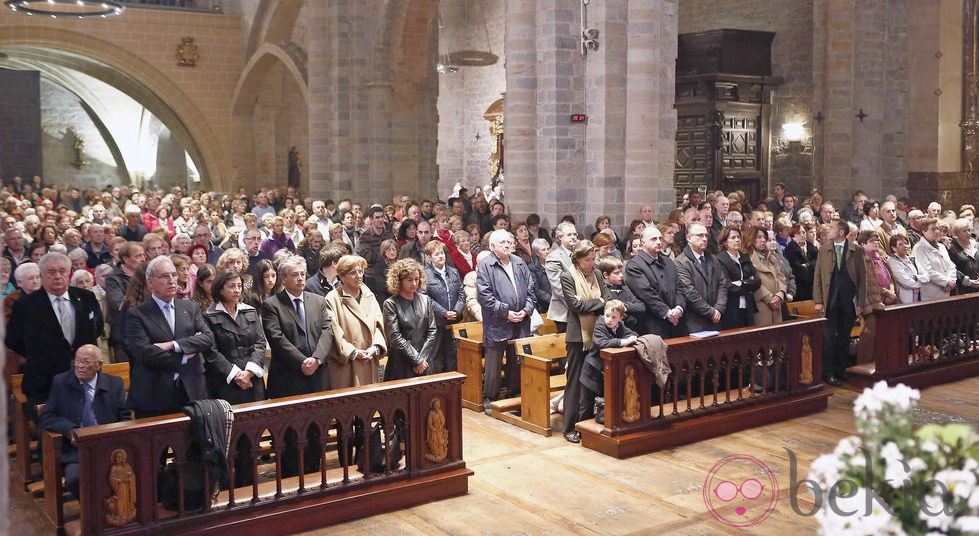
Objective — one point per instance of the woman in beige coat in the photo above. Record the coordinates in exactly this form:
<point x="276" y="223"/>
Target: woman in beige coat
<point x="772" y="292"/>
<point x="357" y="327"/>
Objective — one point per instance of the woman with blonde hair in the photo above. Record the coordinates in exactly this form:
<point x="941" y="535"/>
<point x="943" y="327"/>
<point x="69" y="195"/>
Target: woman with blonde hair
<point x="357" y="327"/>
<point x="236" y="260"/>
<point x="409" y="321"/>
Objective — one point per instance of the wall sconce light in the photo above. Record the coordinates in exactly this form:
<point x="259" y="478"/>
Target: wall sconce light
<point x="794" y="131"/>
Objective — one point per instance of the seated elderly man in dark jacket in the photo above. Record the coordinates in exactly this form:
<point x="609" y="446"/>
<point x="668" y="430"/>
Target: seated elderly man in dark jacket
<point x="505" y="292"/>
<point x="82" y="396"/>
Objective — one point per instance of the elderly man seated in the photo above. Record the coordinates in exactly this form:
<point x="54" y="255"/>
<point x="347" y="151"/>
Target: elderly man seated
<point x="82" y="396"/>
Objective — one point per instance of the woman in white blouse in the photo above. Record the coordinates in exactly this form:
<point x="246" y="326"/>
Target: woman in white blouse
<point x="932" y="258"/>
<point x="908" y="276"/>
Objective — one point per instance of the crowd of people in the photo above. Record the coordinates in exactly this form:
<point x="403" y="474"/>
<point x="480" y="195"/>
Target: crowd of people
<point x="192" y="288"/>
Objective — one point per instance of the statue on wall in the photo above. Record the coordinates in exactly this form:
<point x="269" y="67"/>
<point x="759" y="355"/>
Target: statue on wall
<point x="122" y="480"/>
<point x="187" y="55"/>
<point x="79" y="147"/>
<point x="295" y="168"/>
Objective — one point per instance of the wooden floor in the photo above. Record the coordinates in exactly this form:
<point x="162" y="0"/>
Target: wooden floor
<point x="529" y="484"/>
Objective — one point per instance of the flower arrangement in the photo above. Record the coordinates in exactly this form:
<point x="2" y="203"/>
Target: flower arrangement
<point x="897" y="479"/>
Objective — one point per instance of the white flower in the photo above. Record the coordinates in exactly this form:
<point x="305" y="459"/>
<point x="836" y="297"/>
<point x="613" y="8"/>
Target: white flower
<point x="917" y="465"/>
<point x="967" y="524"/>
<point x="960" y="483"/>
<point x="848" y="446"/>
<point x="933" y="513"/>
<point x="826" y="469"/>
<point x="851" y="516"/>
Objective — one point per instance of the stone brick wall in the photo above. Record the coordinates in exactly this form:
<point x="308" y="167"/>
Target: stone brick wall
<point x="20" y="111"/>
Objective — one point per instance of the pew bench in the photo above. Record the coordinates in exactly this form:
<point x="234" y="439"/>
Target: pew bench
<point x="539" y="358"/>
<point x="26" y="437"/>
<point x="469" y="358"/>
<point x="432" y="467"/>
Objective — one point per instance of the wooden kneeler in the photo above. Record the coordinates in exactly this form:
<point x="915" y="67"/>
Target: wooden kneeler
<point x="532" y="409"/>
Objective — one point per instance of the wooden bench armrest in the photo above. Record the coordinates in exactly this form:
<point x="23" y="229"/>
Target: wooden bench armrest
<point x="51" y="444"/>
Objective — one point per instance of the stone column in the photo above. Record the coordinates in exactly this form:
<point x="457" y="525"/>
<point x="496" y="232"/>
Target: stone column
<point x="861" y="63"/>
<point x="623" y="157"/>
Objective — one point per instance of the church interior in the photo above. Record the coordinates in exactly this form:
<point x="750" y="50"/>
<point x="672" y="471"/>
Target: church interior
<point x="582" y="107"/>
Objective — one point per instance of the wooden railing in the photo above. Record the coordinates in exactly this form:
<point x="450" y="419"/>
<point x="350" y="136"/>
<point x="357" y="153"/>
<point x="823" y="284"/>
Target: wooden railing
<point x="718" y="385"/>
<point x="922" y="344"/>
<point x="426" y="411"/>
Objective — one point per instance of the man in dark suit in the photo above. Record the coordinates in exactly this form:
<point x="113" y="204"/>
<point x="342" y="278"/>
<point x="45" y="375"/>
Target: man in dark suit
<point x="301" y="336"/>
<point x="702" y="281"/>
<point x="166" y="337"/>
<point x="840" y="291"/>
<point x="83" y="396"/>
<point x="298" y="328"/>
<point x="48" y="327"/>
<point x="654" y="280"/>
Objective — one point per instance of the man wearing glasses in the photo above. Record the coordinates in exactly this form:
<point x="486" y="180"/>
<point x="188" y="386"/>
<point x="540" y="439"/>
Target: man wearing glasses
<point x="558" y="262"/>
<point x="166" y="337"/>
<point x="202" y="236"/>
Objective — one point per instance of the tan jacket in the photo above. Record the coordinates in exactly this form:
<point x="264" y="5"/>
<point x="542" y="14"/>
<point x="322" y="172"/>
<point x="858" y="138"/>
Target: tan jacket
<point x="356" y="326"/>
<point x="772" y="283"/>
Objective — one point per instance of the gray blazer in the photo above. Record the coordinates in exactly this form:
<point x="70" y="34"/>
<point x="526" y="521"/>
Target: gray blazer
<point x="558" y="262"/>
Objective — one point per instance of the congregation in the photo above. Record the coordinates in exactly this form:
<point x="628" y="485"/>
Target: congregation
<point x="193" y="288"/>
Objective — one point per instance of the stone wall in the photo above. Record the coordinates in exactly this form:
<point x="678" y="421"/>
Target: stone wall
<point x="465" y="143"/>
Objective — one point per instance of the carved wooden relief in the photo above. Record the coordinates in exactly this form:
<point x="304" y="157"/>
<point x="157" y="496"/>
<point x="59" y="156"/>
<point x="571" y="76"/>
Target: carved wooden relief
<point x="630" y="398"/>
<point x="436" y="434"/>
<point x="122" y="480"/>
<point x="805" y="367"/>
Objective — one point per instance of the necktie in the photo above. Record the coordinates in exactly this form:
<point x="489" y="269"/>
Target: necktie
<point x="88" y="413"/>
<point x="300" y="311"/>
<point x="703" y="263"/>
<point x="66" y="319"/>
<point x="168" y="313"/>
<point x="839" y="256"/>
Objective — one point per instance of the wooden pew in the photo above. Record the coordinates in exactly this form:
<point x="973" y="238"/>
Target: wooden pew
<point x="737" y="380"/>
<point x="921" y="344"/>
<point x="52" y="473"/>
<point x="804" y="309"/>
<point x="26" y="438"/>
<point x="426" y="409"/>
<point x="532" y="409"/>
<point x="469" y="359"/>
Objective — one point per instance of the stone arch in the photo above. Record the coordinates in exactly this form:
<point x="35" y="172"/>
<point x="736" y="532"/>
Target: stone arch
<point x="405" y="42"/>
<point x="274" y="22"/>
<point x="270" y="68"/>
<point x="137" y="78"/>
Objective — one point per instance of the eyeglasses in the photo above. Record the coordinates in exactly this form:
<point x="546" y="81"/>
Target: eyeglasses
<point x="750" y="489"/>
<point x="168" y="275"/>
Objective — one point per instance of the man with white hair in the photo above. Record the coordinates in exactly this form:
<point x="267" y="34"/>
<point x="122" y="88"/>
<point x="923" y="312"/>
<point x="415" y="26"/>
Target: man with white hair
<point x="505" y="291"/>
<point x="935" y="210"/>
<point x="166" y="337"/>
<point x="558" y="262"/>
<point x="915" y="230"/>
<point x="133" y="230"/>
<point x="48" y="327"/>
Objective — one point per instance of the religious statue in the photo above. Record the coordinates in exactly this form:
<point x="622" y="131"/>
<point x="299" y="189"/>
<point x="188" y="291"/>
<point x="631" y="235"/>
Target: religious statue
<point x="79" y="147"/>
<point x="436" y="436"/>
<point x="187" y="55"/>
<point x="295" y="167"/>
<point x="630" y="399"/>
<point x="805" y="374"/>
<point x="122" y="480"/>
